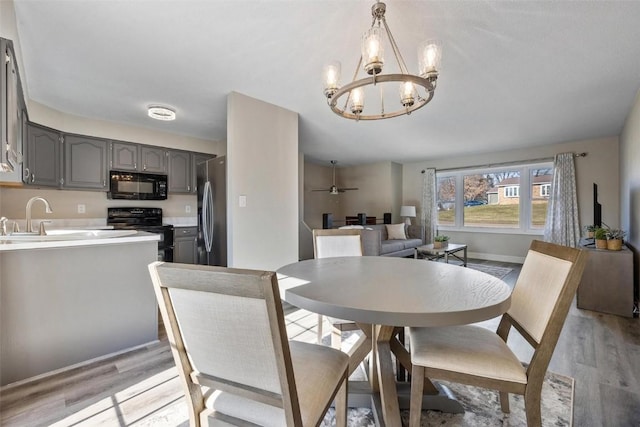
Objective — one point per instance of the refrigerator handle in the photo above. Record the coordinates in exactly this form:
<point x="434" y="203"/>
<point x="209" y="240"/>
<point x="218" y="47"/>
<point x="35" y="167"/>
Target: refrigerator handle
<point x="208" y="224"/>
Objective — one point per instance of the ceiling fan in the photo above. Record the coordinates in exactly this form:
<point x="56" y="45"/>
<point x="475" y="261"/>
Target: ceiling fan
<point x="334" y="188"/>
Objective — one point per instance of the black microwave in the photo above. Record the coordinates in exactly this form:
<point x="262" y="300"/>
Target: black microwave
<point x="137" y="186"/>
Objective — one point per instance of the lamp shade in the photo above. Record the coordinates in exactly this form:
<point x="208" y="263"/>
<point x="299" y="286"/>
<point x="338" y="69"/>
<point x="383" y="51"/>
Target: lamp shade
<point x="408" y="211"/>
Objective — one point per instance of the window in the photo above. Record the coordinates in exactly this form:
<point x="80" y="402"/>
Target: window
<point x="513" y="191"/>
<point x="494" y="199"/>
<point x="544" y="190"/>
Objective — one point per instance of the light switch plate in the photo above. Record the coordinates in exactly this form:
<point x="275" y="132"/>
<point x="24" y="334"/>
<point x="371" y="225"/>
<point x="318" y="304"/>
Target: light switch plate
<point x="242" y="201"/>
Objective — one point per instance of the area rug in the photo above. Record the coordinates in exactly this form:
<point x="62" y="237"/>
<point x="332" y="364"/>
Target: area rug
<point x="499" y="272"/>
<point x="482" y="408"/>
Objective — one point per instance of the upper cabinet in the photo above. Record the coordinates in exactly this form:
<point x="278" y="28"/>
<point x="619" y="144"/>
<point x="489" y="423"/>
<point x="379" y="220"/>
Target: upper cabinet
<point x="12" y="112"/>
<point x="85" y="163"/>
<point x="43" y="161"/>
<point x="128" y="156"/>
<point x="180" y="172"/>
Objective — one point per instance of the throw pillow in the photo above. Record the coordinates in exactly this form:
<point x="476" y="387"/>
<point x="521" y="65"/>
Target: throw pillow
<point x="396" y="232"/>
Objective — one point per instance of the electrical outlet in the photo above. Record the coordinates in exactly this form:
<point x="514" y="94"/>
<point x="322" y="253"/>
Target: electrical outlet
<point x="187" y="208"/>
<point x="82" y="208"/>
<point x="242" y="201"/>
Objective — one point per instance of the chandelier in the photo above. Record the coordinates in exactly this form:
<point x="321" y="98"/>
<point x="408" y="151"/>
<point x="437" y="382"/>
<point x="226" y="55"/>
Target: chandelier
<point x="348" y="101"/>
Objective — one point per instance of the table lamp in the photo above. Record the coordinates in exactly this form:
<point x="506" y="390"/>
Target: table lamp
<point x="408" y="212"/>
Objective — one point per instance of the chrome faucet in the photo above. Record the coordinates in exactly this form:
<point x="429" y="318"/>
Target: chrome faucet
<point x="28" y="214"/>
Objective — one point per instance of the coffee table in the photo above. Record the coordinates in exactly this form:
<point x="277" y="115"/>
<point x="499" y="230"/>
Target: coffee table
<point x="435" y="254"/>
<point x="383" y="293"/>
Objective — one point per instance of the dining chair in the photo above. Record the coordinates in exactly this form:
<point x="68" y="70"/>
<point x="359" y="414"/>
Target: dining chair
<point x="329" y="243"/>
<point x="477" y="356"/>
<point x="229" y="342"/>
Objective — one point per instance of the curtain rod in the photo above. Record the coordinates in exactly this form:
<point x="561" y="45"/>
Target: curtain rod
<point x="492" y="165"/>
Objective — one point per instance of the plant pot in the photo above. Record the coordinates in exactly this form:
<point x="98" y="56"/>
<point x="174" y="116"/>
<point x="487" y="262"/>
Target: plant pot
<point x="614" y="244"/>
<point x="590" y="234"/>
<point x="439" y="245"/>
<point x="601" y="244"/>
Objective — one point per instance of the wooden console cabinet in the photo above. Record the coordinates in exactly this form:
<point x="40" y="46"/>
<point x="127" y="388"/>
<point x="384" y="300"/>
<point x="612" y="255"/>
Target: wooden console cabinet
<point x="607" y="282"/>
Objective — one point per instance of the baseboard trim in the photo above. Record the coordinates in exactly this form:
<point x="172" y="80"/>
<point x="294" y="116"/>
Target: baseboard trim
<point x="496" y="257"/>
<point x="74" y="366"/>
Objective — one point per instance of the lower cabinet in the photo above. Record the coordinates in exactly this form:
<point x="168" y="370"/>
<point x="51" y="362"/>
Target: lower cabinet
<point x="184" y="242"/>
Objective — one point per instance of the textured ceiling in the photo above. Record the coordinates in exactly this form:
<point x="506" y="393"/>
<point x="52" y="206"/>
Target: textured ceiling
<point x="514" y="74"/>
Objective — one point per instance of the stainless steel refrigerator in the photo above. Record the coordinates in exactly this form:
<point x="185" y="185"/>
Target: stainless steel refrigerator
<point x="212" y="212"/>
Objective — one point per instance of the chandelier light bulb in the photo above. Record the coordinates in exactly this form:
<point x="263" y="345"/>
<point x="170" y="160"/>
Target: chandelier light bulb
<point x="430" y="57"/>
<point x="331" y="77"/>
<point x="357" y="101"/>
<point x="407" y="94"/>
<point x="373" y="50"/>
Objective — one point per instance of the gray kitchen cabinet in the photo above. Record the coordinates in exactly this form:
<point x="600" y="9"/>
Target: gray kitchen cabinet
<point x="184" y="242"/>
<point x="12" y="115"/>
<point x="43" y="160"/>
<point x="85" y="163"/>
<point x="154" y="159"/>
<point x="197" y="158"/>
<point x="180" y="172"/>
<point x="127" y="156"/>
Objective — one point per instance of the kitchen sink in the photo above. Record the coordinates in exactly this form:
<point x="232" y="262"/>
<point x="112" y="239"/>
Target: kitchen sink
<point x="66" y="234"/>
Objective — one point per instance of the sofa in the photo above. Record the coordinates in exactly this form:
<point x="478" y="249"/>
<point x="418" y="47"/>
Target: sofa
<point x="376" y="242"/>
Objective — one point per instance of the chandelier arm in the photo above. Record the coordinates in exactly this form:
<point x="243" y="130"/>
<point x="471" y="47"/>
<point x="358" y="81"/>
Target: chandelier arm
<point x="395" y="48"/>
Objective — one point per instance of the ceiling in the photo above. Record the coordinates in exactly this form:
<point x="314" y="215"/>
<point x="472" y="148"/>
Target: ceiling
<point x="514" y="74"/>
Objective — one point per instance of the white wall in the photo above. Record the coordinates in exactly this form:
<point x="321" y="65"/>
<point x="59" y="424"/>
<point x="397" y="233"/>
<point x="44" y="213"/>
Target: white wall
<point x="599" y="166"/>
<point x="630" y="182"/>
<point x="262" y="165"/>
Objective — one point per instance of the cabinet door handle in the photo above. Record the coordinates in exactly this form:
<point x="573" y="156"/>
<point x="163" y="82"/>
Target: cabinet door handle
<point x="33" y="177"/>
<point x="144" y="167"/>
<point x="104" y="183"/>
<point x="27" y="173"/>
<point x="188" y="188"/>
<point x="135" y="165"/>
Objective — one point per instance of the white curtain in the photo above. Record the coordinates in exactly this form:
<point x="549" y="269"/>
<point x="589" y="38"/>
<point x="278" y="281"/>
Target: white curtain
<point x="428" y="217"/>
<point x="562" y="225"/>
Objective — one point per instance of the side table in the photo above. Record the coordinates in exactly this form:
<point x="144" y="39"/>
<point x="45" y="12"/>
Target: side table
<point x="434" y="254"/>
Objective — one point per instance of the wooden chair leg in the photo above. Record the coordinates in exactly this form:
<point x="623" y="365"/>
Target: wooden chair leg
<point x="336" y="338"/>
<point x="401" y="373"/>
<point x="341" y="405"/>
<point x="504" y="402"/>
<point x="417" y="385"/>
<point x="320" y="322"/>
<point x="532" y="409"/>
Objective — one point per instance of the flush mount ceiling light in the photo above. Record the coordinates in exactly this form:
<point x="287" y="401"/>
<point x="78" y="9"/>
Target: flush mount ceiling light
<point x="159" y="112"/>
<point x="372" y="62"/>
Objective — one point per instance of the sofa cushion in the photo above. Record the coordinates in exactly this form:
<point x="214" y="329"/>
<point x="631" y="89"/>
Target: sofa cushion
<point x="396" y="231"/>
<point x="392" y="246"/>
<point x="412" y="243"/>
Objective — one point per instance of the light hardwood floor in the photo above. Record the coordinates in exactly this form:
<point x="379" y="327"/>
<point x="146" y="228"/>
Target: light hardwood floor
<point x="602" y="353"/>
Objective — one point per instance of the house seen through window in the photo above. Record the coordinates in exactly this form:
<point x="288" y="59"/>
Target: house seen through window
<point x="511" y="198"/>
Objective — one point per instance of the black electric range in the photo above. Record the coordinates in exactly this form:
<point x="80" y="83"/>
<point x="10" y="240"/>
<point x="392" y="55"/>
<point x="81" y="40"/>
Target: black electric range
<point x="144" y="219"/>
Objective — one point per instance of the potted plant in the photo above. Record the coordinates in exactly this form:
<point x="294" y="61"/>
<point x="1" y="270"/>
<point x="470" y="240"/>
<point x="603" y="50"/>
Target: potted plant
<point x="590" y="229"/>
<point x="600" y="235"/>
<point x="440" y="242"/>
<point x="614" y="239"/>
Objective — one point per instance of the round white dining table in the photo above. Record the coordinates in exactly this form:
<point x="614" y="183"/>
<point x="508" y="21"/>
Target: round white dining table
<point x="383" y="293"/>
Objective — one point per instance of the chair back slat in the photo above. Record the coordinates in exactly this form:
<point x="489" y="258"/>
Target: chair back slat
<point x="337" y="243"/>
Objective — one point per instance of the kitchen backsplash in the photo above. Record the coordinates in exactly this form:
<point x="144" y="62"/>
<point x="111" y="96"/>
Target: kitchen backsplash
<point x="65" y="205"/>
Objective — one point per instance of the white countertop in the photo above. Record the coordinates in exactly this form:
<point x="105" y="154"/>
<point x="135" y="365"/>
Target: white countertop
<point x="140" y="236"/>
